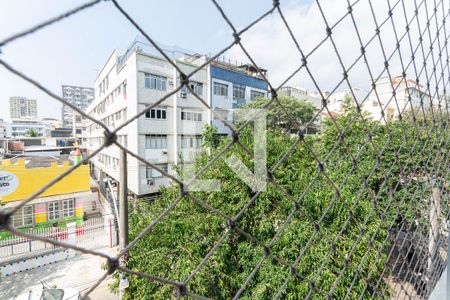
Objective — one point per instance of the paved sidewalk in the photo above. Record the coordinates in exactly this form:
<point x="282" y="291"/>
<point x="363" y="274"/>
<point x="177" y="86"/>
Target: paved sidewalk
<point x="80" y="272"/>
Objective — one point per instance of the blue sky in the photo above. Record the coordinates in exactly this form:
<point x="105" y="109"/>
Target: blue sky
<point x="73" y="50"/>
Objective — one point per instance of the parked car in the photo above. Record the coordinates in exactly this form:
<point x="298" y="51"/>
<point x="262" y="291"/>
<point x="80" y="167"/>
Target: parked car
<point x="49" y="294"/>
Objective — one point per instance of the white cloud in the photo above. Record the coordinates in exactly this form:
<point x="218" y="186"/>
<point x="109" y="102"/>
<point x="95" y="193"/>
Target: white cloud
<point x="271" y="46"/>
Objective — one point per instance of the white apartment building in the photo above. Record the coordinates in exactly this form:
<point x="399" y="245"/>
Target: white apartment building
<point x="408" y="95"/>
<point x="171" y="132"/>
<point x="336" y="100"/>
<point x="302" y="94"/>
<point x="21" y="107"/>
<point x="124" y="87"/>
<point x="52" y="122"/>
<point x="20" y="127"/>
<point x="79" y="97"/>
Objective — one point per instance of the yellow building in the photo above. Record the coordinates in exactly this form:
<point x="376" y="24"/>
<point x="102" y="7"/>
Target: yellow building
<point x="61" y="202"/>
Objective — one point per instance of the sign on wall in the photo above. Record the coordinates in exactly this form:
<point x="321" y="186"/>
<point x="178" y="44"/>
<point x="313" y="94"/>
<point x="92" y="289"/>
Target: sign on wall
<point x="8" y="183"/>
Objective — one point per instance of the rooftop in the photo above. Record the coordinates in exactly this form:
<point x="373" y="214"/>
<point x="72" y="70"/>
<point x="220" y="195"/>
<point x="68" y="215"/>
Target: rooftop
<point x="178" y="53"/>
<point x="40" y="161"/>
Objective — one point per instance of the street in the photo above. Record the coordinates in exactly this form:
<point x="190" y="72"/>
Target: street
<point x="80" y="272"/>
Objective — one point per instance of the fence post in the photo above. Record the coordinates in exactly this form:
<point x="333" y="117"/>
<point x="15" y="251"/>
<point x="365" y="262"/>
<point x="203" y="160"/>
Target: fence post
<point x="110" y="234"/>
<point x="71" y="237"/>
<point x="435" y="208"/>
<point x="447" y="296"/>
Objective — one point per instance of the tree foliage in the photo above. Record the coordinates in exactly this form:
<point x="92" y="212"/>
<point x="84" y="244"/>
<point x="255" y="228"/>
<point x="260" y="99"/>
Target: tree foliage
<point x="300" y="111"/>
<point x="338" y="229"/>
<point x="31" y="132"/>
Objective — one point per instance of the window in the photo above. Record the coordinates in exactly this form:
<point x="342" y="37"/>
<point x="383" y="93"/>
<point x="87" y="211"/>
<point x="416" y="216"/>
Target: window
<point x="221" y="114"/>
<point x="152" y="173"/>
<point x="197" y="87"/>
<point x="155" y="82"/>
<point x="155" y="141"/>
<point x="123" y="140"/>
<point x="220" y="89"/>
<point x="191" y="141"/>
<point x="254" y="94"/>
<point x="191" y="116"/>
<point x="124" y="114"/>
<point x="23" y="216"/>
<point x="156" y="113"/>
<point x="53" y="211"/>
<point x="68" y="208"/>
<point x="238" y="91"/>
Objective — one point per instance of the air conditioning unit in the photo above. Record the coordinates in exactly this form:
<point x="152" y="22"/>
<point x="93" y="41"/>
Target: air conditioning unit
<point x="183" y="94"/>
<point x="150" y="182"/>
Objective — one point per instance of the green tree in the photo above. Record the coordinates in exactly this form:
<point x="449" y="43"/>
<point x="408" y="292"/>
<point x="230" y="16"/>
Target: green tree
<point x="300" y="111"/>
<point x="31" y="132"/>
<point x="210" y="137"/>
<point x="341" y="237"/>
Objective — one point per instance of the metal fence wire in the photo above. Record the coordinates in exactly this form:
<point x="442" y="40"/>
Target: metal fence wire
<point x="402" y="231"/>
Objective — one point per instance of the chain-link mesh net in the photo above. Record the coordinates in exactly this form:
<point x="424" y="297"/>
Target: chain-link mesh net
<point x="357" y="210"/>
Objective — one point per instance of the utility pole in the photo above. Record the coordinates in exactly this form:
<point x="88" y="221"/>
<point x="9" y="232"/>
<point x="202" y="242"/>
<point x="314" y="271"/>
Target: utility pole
<point x="447" y="296"/>
<point x="123" y="216"/>
<point x="433" y="251"/>
<point x="434" y="228"/>
<point x="74" y="126"/>
<point x="123" y="200"/>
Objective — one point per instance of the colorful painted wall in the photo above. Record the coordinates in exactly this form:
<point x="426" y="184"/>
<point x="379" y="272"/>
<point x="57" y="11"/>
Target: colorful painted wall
<point x="18" y="182"/>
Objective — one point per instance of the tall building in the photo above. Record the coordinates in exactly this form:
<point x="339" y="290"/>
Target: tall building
<point x="21" y="107"/>
<point x="80" y="97"/>
<point x="173" y="129"/>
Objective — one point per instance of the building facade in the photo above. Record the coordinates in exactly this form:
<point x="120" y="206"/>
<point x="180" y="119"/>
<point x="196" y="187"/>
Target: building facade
<point x="80" y="97"/>
<point x="409" y="95"/>
<point x="5" y="129"/>
<point x="302" y="94"/>
<point x="63" y="202"/>
<point x="169" y="133"/>
<point x="21" y="107"/>
<point x="52" y="122"/>
<point x="21" y="128"/>
<point x="232" y="86"/>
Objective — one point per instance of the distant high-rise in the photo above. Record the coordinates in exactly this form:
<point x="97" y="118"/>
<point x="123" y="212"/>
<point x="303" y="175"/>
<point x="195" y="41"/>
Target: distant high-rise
<point x="79" y="97"/>
<point x="21" y="107"/>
